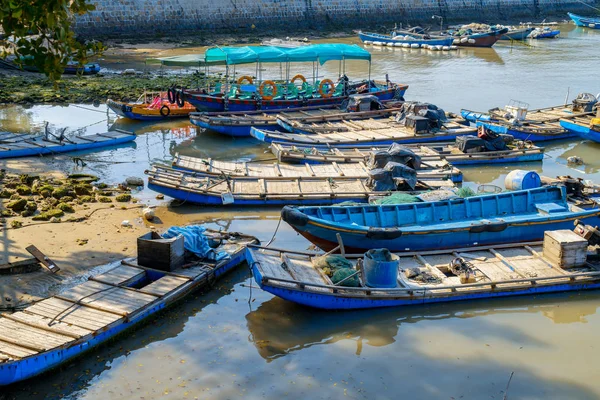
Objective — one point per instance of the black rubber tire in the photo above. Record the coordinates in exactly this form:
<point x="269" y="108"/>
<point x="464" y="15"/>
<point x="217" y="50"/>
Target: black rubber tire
<point x="171" y="95"/>
<point x="165" y="114"/>
<point x="294" y="217"/>
<point x="179" y="98"/>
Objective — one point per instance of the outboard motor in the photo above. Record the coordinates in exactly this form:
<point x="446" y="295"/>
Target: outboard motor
<point x="584" y="102"/>
<point x="588" y="232"/>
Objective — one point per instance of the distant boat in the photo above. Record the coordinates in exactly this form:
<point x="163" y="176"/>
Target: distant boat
<point x="587" y="128"/>
<point x="588" y="22"/>
<point x="544" y="33"/>
<point x="477" y="38"/>
<point x="404" y="39"/>
<point x="517" y="34"/>
<point x="289" y="43"/>
<point x="151" y="106"/>
<point x="14" y="145"/>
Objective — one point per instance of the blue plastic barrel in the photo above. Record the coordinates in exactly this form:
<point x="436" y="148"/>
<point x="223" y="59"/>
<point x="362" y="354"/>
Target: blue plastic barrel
<point x="381" y="268"/>
<point x="521" y="180"/>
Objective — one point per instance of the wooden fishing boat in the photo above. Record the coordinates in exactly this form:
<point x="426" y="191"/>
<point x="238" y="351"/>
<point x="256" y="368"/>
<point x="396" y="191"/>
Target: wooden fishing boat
<point x="14" y="145"/>
<point x="363" y="133"/>
<point x="74" y="68"/>
<point x="150" y="106"/>
<point x="481" y="220"/>
<point x="586" y="127"/>
<point x="434" y="169"/>
<point x="428" y="152"/>
<point x="251" y="191"/>
<point x="57" y="329"/>
<point x="544" y="33"/>
<point x="401" y="39"/>
<point x="587" y="22"/>
<point x="240" y="123"/>
<point x="433" y="276"/>
<point x="245" y="95"/>
<point x="517" y="33"/>
<point x="533" y="125"/>
<point x="477" y="39"/>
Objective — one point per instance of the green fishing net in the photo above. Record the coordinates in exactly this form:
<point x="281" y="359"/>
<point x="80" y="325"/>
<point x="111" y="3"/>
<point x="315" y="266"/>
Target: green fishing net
<point x="397" y="198"/>
<point x="465" y="192"/>
<point x="344" y="273"/>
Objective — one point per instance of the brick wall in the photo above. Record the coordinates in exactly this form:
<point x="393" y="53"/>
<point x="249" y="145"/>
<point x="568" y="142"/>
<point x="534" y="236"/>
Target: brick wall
<point x="150" y="17"/>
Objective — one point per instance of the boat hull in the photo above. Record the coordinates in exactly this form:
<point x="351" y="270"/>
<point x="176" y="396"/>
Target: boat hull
<point x="486" y="39"/>
<point x="519" y="34"/>
<point x="375" y="37"/>
<point x="585" y="132"/>
<point x="523" y="134"/>
<point x="141" y="113"/>
<point x="229" y="130"/>
<point x="205" y="102"/>
<point x="586" y="22"/>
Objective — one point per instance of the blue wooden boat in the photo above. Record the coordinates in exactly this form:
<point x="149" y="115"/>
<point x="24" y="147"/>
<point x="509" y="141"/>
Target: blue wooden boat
<point x="588" y="22"/>
<point x="55" y="330"/>
<point x="517" y="34"/>
<point x="482" y="220"/>
<point x="399" y="39"/>
<point x="225" y="190"/>
<point x="15" y="145"/>
<point x="245" y="95"/>
<point x="544" y="33"/>
<point x="428" y="152"/>
<point x="468" y="38"/>
<point x="586" y="128"/>
<point x="425" y="277"/>
<point x="74" y="68"/>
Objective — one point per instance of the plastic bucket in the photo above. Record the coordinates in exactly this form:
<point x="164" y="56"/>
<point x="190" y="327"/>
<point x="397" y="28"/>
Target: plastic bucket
<point x="381" y="268"/>
<point x="521" y="180"/>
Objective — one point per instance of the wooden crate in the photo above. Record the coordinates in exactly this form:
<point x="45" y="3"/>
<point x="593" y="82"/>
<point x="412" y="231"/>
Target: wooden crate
<point x="158" y="253"/>
<point x="565" y="248"/>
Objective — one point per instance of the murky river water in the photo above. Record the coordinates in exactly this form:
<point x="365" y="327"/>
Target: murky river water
<point x="220" y="345"/>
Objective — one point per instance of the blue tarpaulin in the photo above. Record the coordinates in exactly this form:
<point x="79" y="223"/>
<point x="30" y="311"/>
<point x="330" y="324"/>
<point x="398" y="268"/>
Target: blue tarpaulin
<point x="195" y="241"/>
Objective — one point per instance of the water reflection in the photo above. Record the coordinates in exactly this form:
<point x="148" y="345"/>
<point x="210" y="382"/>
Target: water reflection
<point x="278" y="328"/>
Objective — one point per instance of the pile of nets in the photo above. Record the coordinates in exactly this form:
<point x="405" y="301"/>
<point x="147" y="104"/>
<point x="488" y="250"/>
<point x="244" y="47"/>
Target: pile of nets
<point x="195" y="241"/>
<point x="396" y="198"/>
<point x="465" y="192"/>
<point x="337" y="268"/>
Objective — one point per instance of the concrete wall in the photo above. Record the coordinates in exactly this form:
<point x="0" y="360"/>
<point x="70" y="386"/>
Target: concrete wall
<point x="150" y="17"/>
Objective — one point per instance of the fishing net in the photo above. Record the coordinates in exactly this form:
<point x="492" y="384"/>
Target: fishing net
<point x="344" y="273"/>
<point x="397" y="198"/>
<point x="331" y="263"/>
<point x="465" y="192"/>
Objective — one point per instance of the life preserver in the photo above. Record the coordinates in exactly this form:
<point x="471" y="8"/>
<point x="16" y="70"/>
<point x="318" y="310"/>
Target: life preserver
<point x="299" y="76"/>
<point x="262" y="90"/>
<point x="328" y="82"/>
<point x="171" y="95"/>
<point x="179" y="99"/>
<point x="163" y="112"/>
<point x="245" y="78"/>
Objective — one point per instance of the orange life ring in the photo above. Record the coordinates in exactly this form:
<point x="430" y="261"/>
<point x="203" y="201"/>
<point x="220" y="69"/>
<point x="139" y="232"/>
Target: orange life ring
<point x="331" y="90"/>
<point x="299" y="76"/>
<point x="262" y="90"/>
<point x="245" y="78"/>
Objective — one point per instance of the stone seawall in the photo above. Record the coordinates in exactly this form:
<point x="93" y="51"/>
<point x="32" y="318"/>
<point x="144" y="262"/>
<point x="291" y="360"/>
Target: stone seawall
<point x="152" y="17"/>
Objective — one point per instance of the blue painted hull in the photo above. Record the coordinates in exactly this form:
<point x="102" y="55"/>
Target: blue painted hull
<point x="519" y="34"/>
<point x="228" y="130"/>
<point x="262" y="135"/>
<point x="208" y="199"/>
<point x="348" y="302"/>
<point x="581" y="130"/>
<point x="375" y="37"/>
<point x="39" y="151"/>
<point x="524" y="135"/>
<point x="16" y="371"/>
<point x="473" y="116"/>
<point x="547" y="35"/>
<point x="587" y="22"/>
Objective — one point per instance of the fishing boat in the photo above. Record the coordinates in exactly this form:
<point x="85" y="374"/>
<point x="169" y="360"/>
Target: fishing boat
<point x="286" y="92"/>
<point x="14" y="145"/>
<point x="587" y="128"/>
<point x="470" y="38"/>
<point x="288" y="42"/>
<point x="240" y="123"/>
<point x="151" y="106"/>
<point x="533" y="125"/>
<point x="433" y="276"/>
<point x="370" y="132"/>
<point x="544" y="33"/>
<point x="480" y="220"/>
<point x="428" y="152"/>
<point x="252" y="191"/>
<point x="517" y="33"/>
<point x="433" y="169"/>
<point x="55" y="330"/>
<point x="402" y="39"/>
<point x="74" y="68"/>
<point x="588" y="22"/>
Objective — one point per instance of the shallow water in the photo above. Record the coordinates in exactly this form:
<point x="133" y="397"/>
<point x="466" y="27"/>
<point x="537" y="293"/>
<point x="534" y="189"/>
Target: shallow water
<point x="217" y="345"/>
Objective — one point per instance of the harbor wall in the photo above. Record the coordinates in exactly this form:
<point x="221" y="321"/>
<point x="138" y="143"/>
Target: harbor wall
<point x="176" y="17"/>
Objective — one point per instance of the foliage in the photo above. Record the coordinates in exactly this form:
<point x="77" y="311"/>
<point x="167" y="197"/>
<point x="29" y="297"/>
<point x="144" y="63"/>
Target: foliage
<point x="38" y="33"/>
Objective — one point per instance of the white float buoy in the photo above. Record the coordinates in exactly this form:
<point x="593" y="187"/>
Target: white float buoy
<point x="472" y="41"/>
<point x="414" y="46"/>
<point x="453" y="47"/>
<point x="377" y="43"/>
<point x="446" y="48"/>
<point x="406" y="45"/>
<point x="425" y="46"/>
<point x="368" y="42"/>
<point x="464" y="40"/>
<point x="397" y="44"/>
<point x="456" y="41"/>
